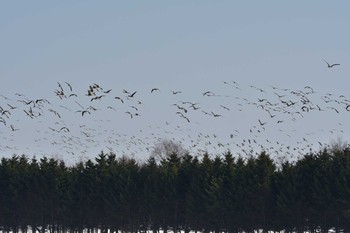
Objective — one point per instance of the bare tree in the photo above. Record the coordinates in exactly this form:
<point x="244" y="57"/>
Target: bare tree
<point x="338" y="145"/>
<point x="166" y="147"/>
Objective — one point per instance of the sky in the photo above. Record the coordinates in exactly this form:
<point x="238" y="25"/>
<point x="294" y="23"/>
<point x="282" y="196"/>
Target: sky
<point x="246" y="53"/>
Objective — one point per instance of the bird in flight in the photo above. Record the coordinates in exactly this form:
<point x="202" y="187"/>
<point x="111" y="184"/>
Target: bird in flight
<point x="208" y="93"/>
<point x="83" y="112"/>
<point x="131" y="116"/>
<point x="106" y="92"/>
<point x="262" y="123"/>
<point x="117" y="97"/>
<point x="97" y="97"/>
<point x="330" y="66"/>
<point x="176" y="92"/>
<point x="132" y="95"/>
<point x="154" y="89"/>
<point x="70" y="86"/>
<point x="12" y="128"/>
<point x="64" y="129"/>
<point x="215" y="115"/>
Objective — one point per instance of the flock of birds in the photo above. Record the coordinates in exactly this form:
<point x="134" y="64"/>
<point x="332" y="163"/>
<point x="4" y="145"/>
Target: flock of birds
<point x="245" y="119"/>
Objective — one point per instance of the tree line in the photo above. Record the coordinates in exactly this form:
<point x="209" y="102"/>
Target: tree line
<point x="199" y="193"/>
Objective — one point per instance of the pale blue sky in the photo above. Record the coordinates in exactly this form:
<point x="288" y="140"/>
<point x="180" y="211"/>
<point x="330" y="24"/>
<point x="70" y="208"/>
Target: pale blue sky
<point x="191" y="46"/>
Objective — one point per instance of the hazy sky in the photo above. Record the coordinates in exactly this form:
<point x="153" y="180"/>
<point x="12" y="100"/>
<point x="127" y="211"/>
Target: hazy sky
<point x="188" y="46"/>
